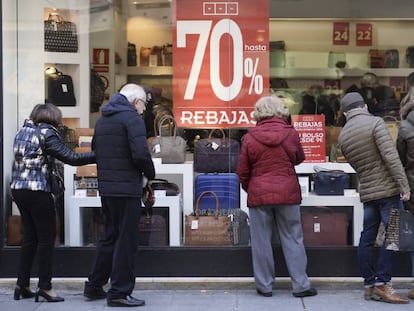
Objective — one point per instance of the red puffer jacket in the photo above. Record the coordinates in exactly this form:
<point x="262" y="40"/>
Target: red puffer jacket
<point x="266" y="169"/>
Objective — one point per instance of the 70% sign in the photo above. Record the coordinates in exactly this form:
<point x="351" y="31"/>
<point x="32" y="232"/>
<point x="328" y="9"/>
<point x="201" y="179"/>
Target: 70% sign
<point x="229" y="27"/>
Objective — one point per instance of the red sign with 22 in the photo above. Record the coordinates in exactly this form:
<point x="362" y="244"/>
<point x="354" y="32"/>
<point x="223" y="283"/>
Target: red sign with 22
<point x="221" y="62"/>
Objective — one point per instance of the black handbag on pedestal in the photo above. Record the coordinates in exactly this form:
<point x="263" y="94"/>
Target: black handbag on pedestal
<point x="330" y="182"/>
<point x="59" y="88"/>
<point x="216" y="155"/>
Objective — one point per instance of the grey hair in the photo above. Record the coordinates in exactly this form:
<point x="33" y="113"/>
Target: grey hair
<point x="269" y="107"/>
<point x="133" y="91"/>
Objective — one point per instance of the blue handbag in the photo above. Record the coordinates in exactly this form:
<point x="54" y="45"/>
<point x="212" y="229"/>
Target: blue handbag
<point x="330" y="182"/>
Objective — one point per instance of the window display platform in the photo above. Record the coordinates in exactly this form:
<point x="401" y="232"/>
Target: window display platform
<point x="73" y="218"/>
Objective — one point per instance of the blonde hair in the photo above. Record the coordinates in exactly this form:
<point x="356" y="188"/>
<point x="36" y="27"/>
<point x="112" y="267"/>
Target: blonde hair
<point x="269" y="107"/>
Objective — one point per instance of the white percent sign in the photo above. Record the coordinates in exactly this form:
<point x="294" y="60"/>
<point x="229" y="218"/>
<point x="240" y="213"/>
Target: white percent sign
<point x="250" y="71"/>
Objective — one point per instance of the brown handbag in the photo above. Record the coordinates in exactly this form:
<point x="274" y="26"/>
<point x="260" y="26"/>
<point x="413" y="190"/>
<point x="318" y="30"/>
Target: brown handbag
<point x="207" y="229"/>
<point x="14" y="230"/>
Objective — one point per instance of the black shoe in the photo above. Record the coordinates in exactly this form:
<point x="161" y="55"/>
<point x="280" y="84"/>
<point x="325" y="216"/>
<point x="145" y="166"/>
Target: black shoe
<point x="264" y="294"/>
<point x="41" y="293"/>
<point x="128" y="301"/>
<point x="93" y="293"/>
<point x="307" y="293"/>
<point x="23" y="292"/>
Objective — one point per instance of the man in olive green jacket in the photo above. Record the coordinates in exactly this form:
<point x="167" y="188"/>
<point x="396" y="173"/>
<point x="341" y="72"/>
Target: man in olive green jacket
<point x="368" y="147"/>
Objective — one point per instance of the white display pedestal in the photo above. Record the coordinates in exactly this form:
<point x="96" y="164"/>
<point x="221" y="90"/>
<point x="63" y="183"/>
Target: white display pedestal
<point x="73" y="205"/>
<point x="350" y="198"/>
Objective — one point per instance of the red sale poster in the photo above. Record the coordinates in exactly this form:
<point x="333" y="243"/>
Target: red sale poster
<point x="221" y="62"/>
<point x="311" y="130"/>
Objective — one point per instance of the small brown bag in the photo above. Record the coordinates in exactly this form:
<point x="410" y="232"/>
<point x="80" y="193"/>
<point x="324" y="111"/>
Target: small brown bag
<point x="14" y="230"/>
<point x="207" y="229"/>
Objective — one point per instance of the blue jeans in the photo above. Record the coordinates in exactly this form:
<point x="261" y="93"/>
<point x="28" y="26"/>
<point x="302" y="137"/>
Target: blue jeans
<point x="374" y="212"/>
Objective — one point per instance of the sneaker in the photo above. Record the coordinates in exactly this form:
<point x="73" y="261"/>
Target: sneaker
<point x="93" y="292"/>
<point x="411" y="293"/>
<point x="368" y="291"/>
<point x="307" y="293"/>
<point x="388" y="294"/>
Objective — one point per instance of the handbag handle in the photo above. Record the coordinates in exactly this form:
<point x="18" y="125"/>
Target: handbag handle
<point x="388" y="118"/>
<point x="56" y="17"/>
<point x="197" y="206"/>
<point x="322" y="169"/>
<point x="223" y="134"/>
<point x="170" y="120"/>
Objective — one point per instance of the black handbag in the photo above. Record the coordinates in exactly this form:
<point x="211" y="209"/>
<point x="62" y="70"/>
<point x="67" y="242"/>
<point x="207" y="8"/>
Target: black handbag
<point x="409" y="56"/>
<point x="98" y="85"/>
<point x="400" y="231"/>
<point x="329" y="182"/>
<point x="132" y="54"/>
<point x="59" y="88"/>
<point x="171" y="189"/>
<point x="57" y="185"/>
<point x="60" y="35"/>
<point x="216" y="155"/>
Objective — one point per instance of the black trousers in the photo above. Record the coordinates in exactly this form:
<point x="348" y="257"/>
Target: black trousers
<point x="38" y="217"/>
<point x="116" y="249"/>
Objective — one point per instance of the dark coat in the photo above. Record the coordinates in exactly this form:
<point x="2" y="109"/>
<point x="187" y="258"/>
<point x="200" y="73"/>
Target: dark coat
<point x="266" y="169"/>
<point x="405" y="146"/>
<point x="122" y="154"/>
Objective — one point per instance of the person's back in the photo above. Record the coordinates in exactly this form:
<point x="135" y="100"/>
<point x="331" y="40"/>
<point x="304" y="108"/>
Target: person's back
<point x="121" y="151"/>
<point x="368" y="147"/>
<point x="123" y="160"/>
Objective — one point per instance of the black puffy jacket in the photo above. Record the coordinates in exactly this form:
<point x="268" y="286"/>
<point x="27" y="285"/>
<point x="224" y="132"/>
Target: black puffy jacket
<point x="122" y="154"/>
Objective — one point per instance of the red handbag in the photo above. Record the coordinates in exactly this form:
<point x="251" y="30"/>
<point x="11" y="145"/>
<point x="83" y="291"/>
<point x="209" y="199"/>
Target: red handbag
<point x="323" y="226"/>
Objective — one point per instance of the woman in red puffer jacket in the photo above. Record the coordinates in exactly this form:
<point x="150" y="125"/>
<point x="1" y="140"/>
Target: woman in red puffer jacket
<point x="266" y="170"/>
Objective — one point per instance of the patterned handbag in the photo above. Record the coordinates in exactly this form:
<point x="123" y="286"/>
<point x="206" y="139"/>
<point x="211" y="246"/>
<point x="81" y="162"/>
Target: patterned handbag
<point x="400" y="231"/>
<point x="60" y="35"/>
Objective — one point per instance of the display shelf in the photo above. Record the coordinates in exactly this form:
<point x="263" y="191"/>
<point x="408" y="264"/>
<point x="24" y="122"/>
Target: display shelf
<point x="150" y="71"/>
<point x="61" y="58"/>
<point x="73" y="205"/>
<point x="380" y="72"/>
<point x="336" y="73"/>
<point x="307" y="73"/>
<point x="350" y="197"/>
<point x="76" y="65"/>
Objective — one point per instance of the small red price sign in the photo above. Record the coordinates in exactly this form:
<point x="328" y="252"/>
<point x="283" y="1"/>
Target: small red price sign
<point x="340" y="34"/>
<point x="363" y="34"/>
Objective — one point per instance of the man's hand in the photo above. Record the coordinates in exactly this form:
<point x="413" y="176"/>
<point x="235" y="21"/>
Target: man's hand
<point x="405" y="196"/>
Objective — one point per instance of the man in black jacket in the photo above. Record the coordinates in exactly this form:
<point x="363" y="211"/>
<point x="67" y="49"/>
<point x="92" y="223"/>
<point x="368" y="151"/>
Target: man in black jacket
<point x="123" y="162"/>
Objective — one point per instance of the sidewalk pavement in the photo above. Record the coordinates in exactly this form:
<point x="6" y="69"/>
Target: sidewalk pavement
<point x="219" y="294"/>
